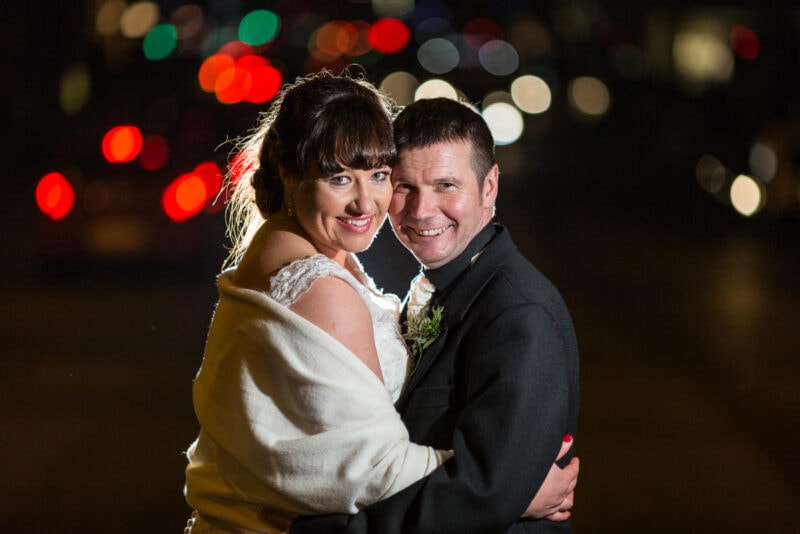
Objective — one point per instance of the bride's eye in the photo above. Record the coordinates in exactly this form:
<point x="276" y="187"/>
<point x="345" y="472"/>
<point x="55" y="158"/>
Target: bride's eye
<point x="339" y="180"/>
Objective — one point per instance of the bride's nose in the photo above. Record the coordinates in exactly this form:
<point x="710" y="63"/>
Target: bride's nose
<point x="362" y="201"/>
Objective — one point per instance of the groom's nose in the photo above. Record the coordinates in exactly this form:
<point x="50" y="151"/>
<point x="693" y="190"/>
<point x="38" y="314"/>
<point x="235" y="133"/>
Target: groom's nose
<point x="420" y="204"/>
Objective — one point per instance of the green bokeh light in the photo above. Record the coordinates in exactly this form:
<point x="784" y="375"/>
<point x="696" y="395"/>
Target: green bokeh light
<point x="259" y="27"/>
<point x="160" y="41"/>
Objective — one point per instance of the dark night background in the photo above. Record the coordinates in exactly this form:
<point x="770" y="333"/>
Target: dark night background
<point x="686" y="312"/>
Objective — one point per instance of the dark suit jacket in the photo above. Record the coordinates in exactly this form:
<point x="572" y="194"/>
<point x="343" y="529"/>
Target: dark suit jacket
<point x="500" y="387"/>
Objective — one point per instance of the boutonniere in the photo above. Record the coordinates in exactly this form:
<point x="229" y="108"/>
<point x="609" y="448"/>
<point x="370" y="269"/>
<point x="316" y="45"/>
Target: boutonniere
<point x="422" y="330"/>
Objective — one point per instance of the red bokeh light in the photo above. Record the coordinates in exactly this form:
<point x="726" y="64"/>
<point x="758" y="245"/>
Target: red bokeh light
<point x="233" y="85"/>
<point x="122" y="144"/>
<point x="211" y="176"/>
<point x="265" y="83"/>
<point x="389" y="35"/>
<point x="236" y="49"/>
<point x="744" y="42"/>
<point x="154" y="154"/>
<point x="478" y="32"/>
<point x="55" y="196"/>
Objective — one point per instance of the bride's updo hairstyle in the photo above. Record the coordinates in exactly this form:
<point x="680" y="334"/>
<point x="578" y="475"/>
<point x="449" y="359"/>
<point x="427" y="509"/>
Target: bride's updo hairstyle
<point x="323" y="120"/>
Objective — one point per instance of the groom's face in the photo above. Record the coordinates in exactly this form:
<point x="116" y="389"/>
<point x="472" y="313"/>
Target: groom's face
<point x="438" y="204"/>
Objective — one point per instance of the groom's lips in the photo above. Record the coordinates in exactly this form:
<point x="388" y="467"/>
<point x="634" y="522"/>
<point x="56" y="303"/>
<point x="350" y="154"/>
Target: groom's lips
<point x="429" y="232"/>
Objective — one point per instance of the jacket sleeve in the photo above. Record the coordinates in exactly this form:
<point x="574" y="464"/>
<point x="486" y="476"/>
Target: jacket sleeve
<point x="517" y="381"/>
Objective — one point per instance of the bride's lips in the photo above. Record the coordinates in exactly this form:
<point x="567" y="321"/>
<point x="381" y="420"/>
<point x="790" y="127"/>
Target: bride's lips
<point x="357" y="225"/>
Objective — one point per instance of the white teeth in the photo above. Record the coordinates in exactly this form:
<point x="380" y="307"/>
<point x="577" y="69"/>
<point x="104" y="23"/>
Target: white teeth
<point x="356" y="222"/>
<point x="435" y="231"/>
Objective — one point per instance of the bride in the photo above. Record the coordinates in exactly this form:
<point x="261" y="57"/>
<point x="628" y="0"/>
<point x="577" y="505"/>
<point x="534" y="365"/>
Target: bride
<point x="304" y="358"/>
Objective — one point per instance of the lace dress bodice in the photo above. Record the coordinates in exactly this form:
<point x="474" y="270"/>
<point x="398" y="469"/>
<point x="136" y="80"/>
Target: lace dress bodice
<point x="296" y="278"/>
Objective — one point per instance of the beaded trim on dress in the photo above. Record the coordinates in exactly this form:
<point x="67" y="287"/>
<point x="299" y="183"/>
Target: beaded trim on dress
<point x="296" y="278"/>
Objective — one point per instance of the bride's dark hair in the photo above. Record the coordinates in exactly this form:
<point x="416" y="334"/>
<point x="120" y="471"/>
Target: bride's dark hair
<point x="323" y="120"/>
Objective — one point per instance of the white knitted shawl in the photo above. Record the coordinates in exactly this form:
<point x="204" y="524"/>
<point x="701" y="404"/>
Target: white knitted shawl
<point x="291" y="420"/>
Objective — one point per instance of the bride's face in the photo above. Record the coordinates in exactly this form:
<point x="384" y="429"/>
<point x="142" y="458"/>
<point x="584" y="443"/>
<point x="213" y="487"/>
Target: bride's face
<point x="342" y="212"/>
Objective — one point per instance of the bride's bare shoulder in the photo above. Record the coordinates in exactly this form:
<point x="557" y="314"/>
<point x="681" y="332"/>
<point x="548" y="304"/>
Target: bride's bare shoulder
<point x="274" y="246"/>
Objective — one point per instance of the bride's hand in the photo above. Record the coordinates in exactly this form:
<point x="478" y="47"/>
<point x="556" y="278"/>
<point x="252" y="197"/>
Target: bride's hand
<point x="556" y="496"/>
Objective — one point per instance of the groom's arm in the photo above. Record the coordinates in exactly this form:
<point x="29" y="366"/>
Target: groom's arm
<point x="518" y="389"/>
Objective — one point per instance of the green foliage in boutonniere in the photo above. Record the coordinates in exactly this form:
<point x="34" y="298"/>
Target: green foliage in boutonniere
<point x="421" y="331"/>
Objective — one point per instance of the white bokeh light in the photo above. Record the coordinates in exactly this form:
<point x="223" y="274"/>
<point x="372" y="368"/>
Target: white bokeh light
<point x="747" y="195"/>
<point x="531" y="94"/>
<point x="436" y="88"/>
<point x="400" y="85"/>
<point x="505" y="122"/>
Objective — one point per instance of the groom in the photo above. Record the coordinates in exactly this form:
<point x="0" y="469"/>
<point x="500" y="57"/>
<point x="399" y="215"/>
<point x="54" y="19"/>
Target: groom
<point x="499" y="383"/>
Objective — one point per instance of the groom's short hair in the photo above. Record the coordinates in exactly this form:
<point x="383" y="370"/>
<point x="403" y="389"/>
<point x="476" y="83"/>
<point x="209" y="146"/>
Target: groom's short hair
<point x="442" y="120"/>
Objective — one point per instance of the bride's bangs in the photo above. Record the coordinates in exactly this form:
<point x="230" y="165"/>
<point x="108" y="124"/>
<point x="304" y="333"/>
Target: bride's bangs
<point x="359" y="137"/>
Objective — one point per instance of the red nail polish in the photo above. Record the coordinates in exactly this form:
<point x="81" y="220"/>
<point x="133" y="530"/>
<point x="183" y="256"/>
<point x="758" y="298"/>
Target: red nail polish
<point x="567" y="438"/>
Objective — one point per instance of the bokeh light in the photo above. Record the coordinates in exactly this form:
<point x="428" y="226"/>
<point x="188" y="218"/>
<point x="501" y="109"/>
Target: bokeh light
<point x="108" y="17"/>
<point x="248" y="78"/>
<point x="75" y="89"/>
<point x="55" y="195"/>
<point x="389" y="35"/>
<point x="531" y="94"/>
<point x="478" y="32"/>
<point x="747" y="195"/>
<point x="530" y="38"/>
<point x="393" y="8"/>
<point x="122" y="144"/>
<point x="400" y="86"/>
<point x="188" y="20"/>
<point x="160" y="42"/>
<point x="138" y="18"/>
<point x="265" y="82"/>
<point x="211" y="175"/>
<point x="336" y="38"/>
<point x="763" y="161"/>
<point x="744" y="43"/>
<point x="259" y="27"/>
<point x="233" y="85"/>
<point x="211" y="68"/>
<point x="154" y="153"/>
<point x="702" y="56"/>
<point x="498" y="58"/>
<point x="438" y="55"/>
<point x="505" y="122"/>
<point x="435" y="88"/>
<point x="711" y="174"/>
<point x="184" y="197"/>
<point x="589" y="96"/>
<point x="432" y="27"/>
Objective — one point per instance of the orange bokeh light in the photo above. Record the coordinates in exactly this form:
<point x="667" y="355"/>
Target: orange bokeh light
<point x="184" y="197"/>
<point x="122" y="144"/>
<point x="249" y="77"/>
<point x="55" y="196"/>
<point x="211" y="68"/>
